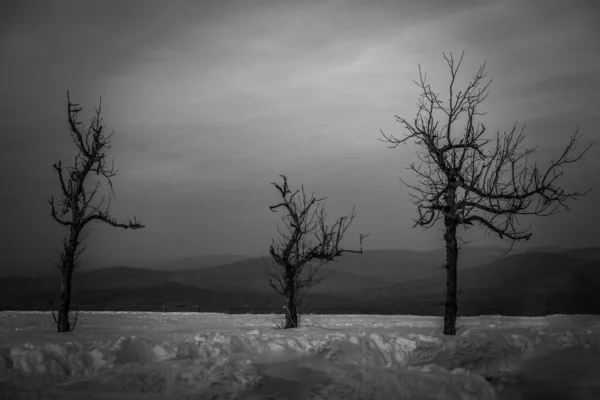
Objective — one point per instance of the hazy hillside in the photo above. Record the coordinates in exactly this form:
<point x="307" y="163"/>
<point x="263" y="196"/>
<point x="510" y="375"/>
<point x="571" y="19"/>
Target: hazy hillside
<point x="525" y="283"/>
<point x="512" y="274"/>
<point x="191" y="263"/>
<point x="530" y="282"/>
<point x="248" y="276"/>
<point x="120" y="277"/>
<point x="104" y="278"/>
<point x="183" y="263"/>
<point x="586" y="253"/>
<point x="171" y="294"/>
<point x="407" y="265"/>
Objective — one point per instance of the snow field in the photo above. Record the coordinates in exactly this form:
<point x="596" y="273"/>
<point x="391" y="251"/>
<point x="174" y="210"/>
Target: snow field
<point x="407" y="359"/>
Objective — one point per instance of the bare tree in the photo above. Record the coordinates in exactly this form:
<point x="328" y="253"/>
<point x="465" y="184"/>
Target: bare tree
<point x="462" y="180"/>
<point x="288" y="275"/>
<point x="79" y="200"/>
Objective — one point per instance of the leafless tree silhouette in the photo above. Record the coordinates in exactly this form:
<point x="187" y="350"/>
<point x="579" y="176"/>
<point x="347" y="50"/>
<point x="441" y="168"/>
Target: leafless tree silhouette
<point x="78" y="200"/>
<point x="462" y="180"/>
<point x="287" y="274"/>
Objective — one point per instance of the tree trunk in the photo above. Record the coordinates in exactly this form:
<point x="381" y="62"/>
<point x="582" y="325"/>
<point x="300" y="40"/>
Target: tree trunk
<point x="291" y="310"/>
<point x="451" y="305"/>
<point x="68" y="264"/>
<point x="65" y="301"/>
<point x="291" y="306"/>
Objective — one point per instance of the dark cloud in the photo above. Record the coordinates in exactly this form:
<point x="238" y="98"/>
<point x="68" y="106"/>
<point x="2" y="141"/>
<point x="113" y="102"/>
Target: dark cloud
<point x="211" y="100"/>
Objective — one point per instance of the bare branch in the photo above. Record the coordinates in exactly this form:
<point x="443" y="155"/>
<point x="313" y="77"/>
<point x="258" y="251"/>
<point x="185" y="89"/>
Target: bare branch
<point x="91" y="144"/>
<point x="304" y="218"/>
<point x="465" y="179"/>
<point x="497" y="182"/>
<point x="131" y="224"/>
<point x="54" y="215"/>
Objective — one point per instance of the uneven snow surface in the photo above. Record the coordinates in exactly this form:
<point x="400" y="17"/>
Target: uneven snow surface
<point x="218" y="356"/>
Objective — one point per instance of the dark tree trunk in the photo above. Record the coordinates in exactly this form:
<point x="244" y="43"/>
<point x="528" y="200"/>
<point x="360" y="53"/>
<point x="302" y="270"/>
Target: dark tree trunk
<point x="65" y="301"/>
<point x="451" y="305"/>
<point x="291" y="312"/>
<point x="68" y="264"/>
<point x="291" y="307"/>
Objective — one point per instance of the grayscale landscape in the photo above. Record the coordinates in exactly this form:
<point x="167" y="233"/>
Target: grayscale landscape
<point x="300" y="199"/>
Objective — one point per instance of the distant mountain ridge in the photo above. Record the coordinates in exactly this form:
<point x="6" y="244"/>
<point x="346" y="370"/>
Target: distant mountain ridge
<point x="184" y="263"/>
<point x="193" y="262"/>
<point x="383" y="281"/>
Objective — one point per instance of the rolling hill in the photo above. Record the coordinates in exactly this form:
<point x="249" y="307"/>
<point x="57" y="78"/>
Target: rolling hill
<point x="183" y="263"/>
<point x="193" y="263"/>
<point x="408" y="265"/>
<point x="248" y="276"/>
<point x="523" y="284"/>
<point x="384" y="281"/>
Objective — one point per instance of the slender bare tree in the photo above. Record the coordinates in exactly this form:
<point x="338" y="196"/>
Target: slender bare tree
<point x="464" y="178"/>
<point x="79" y="200"/>
<point x="287" y="274"/>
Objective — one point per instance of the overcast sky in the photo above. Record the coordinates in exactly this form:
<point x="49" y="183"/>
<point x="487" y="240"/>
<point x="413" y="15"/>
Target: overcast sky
<point x="211" y="100"/>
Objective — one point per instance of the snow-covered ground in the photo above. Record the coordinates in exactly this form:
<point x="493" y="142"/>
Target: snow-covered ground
<point x="219" y="356"/>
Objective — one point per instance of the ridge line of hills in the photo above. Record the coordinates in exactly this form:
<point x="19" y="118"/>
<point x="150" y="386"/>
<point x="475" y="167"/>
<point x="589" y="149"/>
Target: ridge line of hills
<point x="535" y="282"/>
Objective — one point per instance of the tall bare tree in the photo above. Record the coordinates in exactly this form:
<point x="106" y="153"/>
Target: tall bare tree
<point x="464" y="178"/>
<point x="78" y="206"/>
<point x="304" y="217"/>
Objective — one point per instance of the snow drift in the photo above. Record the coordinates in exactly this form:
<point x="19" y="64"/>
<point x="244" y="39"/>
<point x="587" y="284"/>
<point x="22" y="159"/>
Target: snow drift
<point x="269" y="363"/>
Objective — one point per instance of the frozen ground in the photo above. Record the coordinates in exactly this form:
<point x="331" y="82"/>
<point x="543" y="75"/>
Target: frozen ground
<point x="218" y="356"/>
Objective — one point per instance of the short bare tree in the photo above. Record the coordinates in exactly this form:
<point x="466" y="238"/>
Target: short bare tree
<point x="462" y="180"/>
<point x="79" y="200"/>
<point x="303" y="218"/>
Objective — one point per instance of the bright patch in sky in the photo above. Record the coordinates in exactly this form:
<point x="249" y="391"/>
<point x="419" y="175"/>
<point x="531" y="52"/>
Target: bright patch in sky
<point x="210" y="101"/>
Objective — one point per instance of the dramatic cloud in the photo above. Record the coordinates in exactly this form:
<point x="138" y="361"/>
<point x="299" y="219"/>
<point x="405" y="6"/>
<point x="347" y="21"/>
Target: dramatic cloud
<point x="212" y="100"/>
